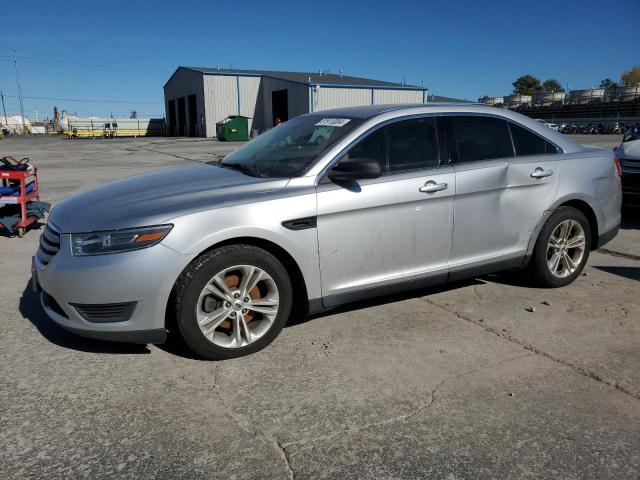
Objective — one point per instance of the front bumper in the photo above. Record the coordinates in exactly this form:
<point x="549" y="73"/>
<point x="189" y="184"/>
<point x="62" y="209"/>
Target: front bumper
<point x="631" y="188"/>
<point x="144" y="277"/>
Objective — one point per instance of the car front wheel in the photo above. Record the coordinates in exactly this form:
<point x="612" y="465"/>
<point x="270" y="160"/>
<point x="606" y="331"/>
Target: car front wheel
<point x="232" y="301"/>
<point x="562" y="249"/>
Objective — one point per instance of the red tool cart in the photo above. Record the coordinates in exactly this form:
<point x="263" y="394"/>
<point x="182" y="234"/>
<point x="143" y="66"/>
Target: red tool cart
<point x="21" y="180"/>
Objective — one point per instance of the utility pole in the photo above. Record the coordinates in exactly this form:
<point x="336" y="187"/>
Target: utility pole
<point x="15" y="64"/>
<point x="3" y="109"/>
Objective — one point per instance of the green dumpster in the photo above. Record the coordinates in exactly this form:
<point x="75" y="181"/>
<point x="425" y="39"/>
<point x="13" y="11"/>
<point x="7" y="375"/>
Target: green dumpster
<point x="234" y="128"/>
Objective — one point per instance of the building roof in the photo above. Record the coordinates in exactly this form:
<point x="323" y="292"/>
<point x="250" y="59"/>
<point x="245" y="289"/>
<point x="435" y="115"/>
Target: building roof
<point x="308" y="78"/>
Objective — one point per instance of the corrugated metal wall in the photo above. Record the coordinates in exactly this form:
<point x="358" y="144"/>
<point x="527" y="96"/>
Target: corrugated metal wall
<point x="221" y="98"/>
<point x="325" y="98"/>
<point x="330" y="97"/>
<point x="249" y="93"/>
<point x="184" y="83"/>
<point x="382" y="97"/>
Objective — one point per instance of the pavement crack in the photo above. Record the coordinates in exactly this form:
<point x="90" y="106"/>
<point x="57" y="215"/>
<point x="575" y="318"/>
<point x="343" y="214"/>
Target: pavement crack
<point x="576" y="368"/>
<point x="248" y="427"/>
<point x="613" y="253"/>
<point x="169" y="154"/>
<point x="403" y="417"/>
<point x="285" y="455"/>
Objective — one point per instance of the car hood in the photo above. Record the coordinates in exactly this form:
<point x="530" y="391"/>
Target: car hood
<point x="157" y="197"/>
<point x="629" y="150"/>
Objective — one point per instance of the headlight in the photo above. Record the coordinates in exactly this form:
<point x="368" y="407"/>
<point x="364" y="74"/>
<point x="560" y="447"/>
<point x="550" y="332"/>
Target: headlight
<point x="98" y="243"/>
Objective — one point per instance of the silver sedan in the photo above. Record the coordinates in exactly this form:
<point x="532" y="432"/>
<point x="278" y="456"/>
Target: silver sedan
<point x="325" y="209"/>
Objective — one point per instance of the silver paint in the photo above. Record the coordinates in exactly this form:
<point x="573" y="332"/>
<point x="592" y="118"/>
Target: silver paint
<point x="387" y="230"/>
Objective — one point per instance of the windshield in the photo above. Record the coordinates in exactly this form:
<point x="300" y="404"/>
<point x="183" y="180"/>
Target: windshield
<point x="289" y="149"/>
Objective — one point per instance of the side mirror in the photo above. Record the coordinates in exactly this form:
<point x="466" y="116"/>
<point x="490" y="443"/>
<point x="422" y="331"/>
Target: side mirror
<point x="355" y="169"/>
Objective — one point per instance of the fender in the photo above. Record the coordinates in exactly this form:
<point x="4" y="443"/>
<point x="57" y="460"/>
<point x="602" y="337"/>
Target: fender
<point x="552" y="208"/>
<point x="301" y="245"/>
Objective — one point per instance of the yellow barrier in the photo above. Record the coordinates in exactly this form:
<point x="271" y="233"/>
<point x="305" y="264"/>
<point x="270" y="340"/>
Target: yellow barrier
<point x="117" y="133"/>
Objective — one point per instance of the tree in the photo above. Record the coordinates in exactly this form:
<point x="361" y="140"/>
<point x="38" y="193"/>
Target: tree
<point x="552" y="86"/>
<point x="608" y="84"/>
<point x="526" y="85"/>
<point x="632" y="77"/>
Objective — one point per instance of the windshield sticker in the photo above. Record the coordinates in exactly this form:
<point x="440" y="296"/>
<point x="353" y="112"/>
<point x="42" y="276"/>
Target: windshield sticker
<point x="333" y="122"/>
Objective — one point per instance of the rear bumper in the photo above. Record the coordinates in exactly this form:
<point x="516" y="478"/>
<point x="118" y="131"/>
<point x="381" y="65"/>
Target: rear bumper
<point x="607" y="236"/>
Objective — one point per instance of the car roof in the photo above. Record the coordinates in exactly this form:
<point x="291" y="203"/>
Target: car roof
<point x="375" y="113"/>
<point x="369" y="111"/>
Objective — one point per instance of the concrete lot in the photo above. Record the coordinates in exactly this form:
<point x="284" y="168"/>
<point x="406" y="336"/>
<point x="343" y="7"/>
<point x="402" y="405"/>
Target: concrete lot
<point x="456" y="382"/>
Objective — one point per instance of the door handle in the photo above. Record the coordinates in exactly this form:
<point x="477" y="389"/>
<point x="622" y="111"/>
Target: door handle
<point x="433" y="187"/>
<point x="541" y="173"/>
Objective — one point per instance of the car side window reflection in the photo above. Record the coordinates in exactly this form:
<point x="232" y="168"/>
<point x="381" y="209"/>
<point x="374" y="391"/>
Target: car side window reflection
<point x="370" y="148"/>
<point x="401" y="146"/>
<point x="480" y="138"/>
<point x="412" y="145"/>
<point x="528" y="143"/>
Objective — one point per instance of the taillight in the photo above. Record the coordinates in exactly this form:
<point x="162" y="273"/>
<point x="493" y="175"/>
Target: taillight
<point x="618" y="167"/>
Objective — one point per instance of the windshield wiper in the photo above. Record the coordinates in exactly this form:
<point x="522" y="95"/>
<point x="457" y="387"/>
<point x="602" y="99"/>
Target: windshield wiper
<point x="241" y="167"/>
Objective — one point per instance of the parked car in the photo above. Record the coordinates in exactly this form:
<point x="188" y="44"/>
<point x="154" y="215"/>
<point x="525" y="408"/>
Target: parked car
<point x="628" y="152"/>
<point x="569" y="128"/>
<point x="392" y="198"/>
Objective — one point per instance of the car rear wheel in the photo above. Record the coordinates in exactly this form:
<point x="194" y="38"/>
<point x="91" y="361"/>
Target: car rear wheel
<point x="232" y="301"/>
<point x="562" y="248"/>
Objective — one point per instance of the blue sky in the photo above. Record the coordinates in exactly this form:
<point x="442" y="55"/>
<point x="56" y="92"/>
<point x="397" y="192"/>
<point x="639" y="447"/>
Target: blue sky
<point x="122" y="53"/>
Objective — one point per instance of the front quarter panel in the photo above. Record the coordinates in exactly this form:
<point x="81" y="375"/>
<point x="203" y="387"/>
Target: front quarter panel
<point x="194" y="233"/>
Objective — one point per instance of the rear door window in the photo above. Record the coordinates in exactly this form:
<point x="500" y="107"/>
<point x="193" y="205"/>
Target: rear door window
<point x="529" y="143"/>
<point x="480" y="138"/>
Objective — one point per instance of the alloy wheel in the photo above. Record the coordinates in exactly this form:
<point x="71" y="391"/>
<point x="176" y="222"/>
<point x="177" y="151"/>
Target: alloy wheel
<point x="237" y="306"/>
<point x="566" y="248"/>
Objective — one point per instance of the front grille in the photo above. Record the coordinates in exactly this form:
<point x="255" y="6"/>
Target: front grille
<point x="106" y="312"/>
<point x="49" y="244"/>
<point x="630" y="163"/>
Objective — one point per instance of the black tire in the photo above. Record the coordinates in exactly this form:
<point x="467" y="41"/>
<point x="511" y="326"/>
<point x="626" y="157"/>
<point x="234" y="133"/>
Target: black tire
<point x="201" y="270"/>
<point x="538" y="267"/>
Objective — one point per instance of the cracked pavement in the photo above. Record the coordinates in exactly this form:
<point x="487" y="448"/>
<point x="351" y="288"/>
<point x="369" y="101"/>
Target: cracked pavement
<point x="454" y="382"/>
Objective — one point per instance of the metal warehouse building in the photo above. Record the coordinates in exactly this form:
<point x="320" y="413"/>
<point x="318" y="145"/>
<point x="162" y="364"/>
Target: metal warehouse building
<point x="196" y="98"/>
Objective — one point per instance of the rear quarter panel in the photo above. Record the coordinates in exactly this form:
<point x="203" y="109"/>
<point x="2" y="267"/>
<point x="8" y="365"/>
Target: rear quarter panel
<point x="590" y="176"/>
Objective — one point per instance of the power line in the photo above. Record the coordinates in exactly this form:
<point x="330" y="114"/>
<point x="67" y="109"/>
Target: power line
<point x="49" y="55"/>
<point x="87" y="66"/>
<point x="87" y="100"/>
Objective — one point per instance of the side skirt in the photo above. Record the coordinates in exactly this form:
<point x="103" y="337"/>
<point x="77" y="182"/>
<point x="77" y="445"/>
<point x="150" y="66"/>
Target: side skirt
<point x="319" y="305"/>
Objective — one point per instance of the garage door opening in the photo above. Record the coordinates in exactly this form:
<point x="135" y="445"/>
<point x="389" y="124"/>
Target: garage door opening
<point x="182" y="118"/>
<point x="172" y="118"/>
<point x="193" y="116"/>
<point x="280" y="105"/>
